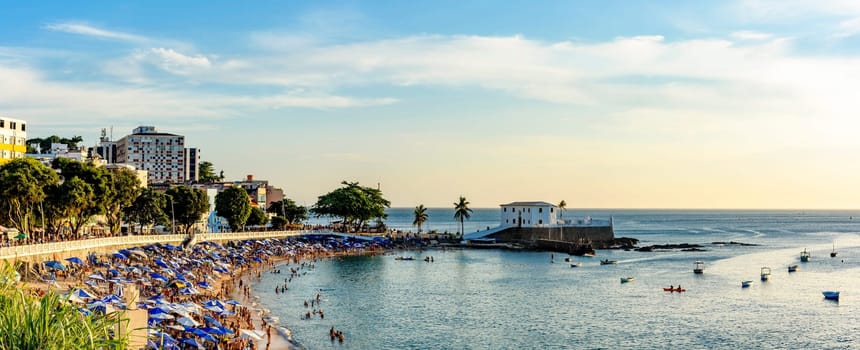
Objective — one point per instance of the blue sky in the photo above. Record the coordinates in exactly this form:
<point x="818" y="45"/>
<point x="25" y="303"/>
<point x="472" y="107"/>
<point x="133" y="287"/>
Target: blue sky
<point x="723" y="104"/>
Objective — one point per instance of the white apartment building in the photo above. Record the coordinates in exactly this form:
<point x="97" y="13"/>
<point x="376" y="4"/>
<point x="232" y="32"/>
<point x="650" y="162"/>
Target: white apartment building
<point x="162" y="155"/>
<point x="13" y="139"/>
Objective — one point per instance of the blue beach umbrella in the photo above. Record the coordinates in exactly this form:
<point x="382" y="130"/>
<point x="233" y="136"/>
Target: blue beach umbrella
<point x="192" y="342"/>
<point x="80" y="293"/>
<point x="161" y="263"/>
<point x="232" y="302"/>
<point x="120" y="256"/>
<point x="211" y="320"/>
<point x="75" y="260"/>
<point x="204" y="284"/>
<point x="56" y="265"/>
<point x="209" y="338"/>
<point x="160" y="316"/>
<point x="157" y="276"/>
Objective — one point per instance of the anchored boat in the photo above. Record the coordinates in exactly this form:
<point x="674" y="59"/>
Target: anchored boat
<point x="804" y="256"/>
<point x="831" y="294"/>
<point x="627" y="279"/>
<point x="792" y="268"/>
<point x="765" y="273"/>
<point x="746" y="284"/>
<point x="699" y="267"/>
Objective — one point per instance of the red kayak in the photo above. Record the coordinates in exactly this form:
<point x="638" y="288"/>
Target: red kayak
<point x="674" y="290"/>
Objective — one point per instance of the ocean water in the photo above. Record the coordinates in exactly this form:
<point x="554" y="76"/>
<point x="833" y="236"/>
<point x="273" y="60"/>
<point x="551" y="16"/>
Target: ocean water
<point x="494" y="299"/>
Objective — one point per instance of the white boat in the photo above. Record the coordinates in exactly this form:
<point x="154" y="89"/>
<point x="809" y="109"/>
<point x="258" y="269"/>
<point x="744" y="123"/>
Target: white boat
<point x="765" y="273"/>
<point x="627" y="279"/>
<point x="833" y="252"/>
<point x="699" y="267"/>
<point x="792" y="268"/>
<point x="574" y="264"/>
<point x="746" y="284"/>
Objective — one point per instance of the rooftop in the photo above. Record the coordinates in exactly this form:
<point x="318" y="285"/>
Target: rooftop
<point x="529" y="204"/>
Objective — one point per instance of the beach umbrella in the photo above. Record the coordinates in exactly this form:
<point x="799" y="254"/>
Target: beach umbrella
<point x="210" y="338"/>
<point x="214" y="302"/>
<point x="115" y="272"/>
<point x="212" y="321"/>
<point x="177" y="284"/>
<point x="120" y="256"/>
<point x="119" y="291"/>
<point x="196" y="332"/>
<point x="83" y="294"/>
<point x="75" y="260"/>
<point x="187" y="322"/>
<point x="192" y="342"/>
<point x="161" y="263"/>
<point x="214" y="308"/>
<point x="125" y="252"/>
<point x="204" y="284"/>
<point x="111" y="299"/>
<point x="56" y="265"/>
<point x="100" y="307"/>
<point x="226" y="313"/>
<point x="188" y="291"/>
<point x="96" y="277"/>
<point x="157" y="276"/>
<point x="161" y="316"/>
<point x="232" y="302"/>
<point x="250" y="333"/>
<point x="139" y="253"/>
<point x="84" y="311"/>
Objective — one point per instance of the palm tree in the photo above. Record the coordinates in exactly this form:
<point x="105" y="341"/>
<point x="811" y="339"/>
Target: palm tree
<point x="462" y="212"/>
<point x="420" y="216"/>
<point x="562" y="206"/>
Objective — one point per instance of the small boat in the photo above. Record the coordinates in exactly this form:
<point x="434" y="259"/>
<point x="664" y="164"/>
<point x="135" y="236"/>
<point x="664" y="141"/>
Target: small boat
<point x="699" y="267"/>
<point x="588" y="255"/>
<point x="831" y="294"/>
<point x="746" y="284"/>
<point x="574" y="265"/>
<point x="765" y="273"/>
<point x="627" y="279"/>
<point x="408" y="258"/>
<point x="674" y="290"/>
<point x="833" y="252"/>
<point x="804" y="256"/>
<point x="608" y="262"/>
<point x="792" y="268"/>
<point x="566" y="259"/>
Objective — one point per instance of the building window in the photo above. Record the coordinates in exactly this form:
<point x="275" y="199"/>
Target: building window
<point x="504" y="209"/>
<point x="2" y="123"/>
<point x="540" y="210"/>
<point x="23" y="127"/>
<point x="540" y="222"/>
<point x="530" y="210"/>
<point x="551" y="210"/>
<point x="12" y="125"/>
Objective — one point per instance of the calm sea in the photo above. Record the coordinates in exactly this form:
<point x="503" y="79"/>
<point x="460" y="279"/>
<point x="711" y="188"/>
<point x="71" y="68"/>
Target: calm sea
<point x="493" y="299"/>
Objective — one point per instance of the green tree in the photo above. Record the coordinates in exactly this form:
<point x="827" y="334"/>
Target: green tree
<point x="187" y="206"/>
<point x="97" y="177"/>
<point x="462" y="212"/>
<point x="126" y="188"/>
<point x="148" y="209"/>
<point x="279" y="222"/>
<point x="207" y="173"/>
<point x="67" y="203"/>
<point x="289" y="210"/>
<point x="22" y="189"/>
<point x="233" y="204"/>
<point x="420" y="216"/>
<point x="353" y="203"/>
<point x="257" y="218"/>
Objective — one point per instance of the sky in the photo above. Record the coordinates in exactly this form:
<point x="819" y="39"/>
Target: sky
<point x="603" y="104"/>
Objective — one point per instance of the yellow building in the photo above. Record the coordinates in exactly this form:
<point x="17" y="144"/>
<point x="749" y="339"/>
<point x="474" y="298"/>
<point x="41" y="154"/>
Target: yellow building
<point x="13" y="138"/>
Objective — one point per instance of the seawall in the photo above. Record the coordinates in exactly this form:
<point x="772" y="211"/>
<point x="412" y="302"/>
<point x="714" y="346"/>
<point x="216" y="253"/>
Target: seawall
<point x="570" y="234"/>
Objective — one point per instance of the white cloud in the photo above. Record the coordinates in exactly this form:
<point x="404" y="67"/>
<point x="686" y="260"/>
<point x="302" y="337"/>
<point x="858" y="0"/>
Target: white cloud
<point x="89" y="30"/>
<point x="751" y="35"/>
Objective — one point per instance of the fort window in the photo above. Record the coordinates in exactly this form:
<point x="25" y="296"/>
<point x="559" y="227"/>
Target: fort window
<point x="540" y="210"/>
<point x="540" y="222"/>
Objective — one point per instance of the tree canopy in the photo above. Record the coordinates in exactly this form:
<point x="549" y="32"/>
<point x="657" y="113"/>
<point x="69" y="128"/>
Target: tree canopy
<point x="258" y="217"/>
<point x="187" y="205"/>
<point x="421" y="216"/>
<point x="289" y="210"/>
<point x="126" y="188"/>
<point x="353" y="203"/>
<point x="23" y="184"/>
<point x="233" y="204"/>
<point x="148" y="209"/>
<point x="207" y="174"/>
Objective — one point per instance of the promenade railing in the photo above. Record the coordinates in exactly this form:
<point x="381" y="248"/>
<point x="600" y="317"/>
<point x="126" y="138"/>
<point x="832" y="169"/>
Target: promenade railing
<point x="96" y="243"/>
